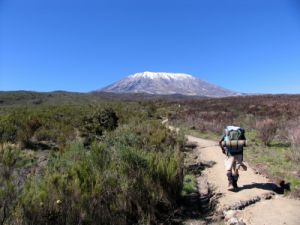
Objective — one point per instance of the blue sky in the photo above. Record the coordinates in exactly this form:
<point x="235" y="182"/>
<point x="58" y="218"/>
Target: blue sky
<point x="83" y="45"/>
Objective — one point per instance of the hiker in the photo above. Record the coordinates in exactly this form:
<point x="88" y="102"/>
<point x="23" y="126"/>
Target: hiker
<point x="232" y="144"/>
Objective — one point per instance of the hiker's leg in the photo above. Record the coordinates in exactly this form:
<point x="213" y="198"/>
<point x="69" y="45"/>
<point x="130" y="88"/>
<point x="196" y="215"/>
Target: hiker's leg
<point x="228" y="166"/>
<point x="230" y="179"/>
<point x="234" y="173"/>
<point x="238" y="160"/>
<point x="234" y="168"/>
<point x="242" y="164"/>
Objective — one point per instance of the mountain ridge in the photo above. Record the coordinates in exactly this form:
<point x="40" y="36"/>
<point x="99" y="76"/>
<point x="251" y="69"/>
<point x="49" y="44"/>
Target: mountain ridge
<point x="163" y="83"/>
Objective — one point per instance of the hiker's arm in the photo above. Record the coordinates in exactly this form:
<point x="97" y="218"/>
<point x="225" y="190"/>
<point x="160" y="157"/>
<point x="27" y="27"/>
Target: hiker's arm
<point x="220" y="144"/>
<point x="223" y="150"/>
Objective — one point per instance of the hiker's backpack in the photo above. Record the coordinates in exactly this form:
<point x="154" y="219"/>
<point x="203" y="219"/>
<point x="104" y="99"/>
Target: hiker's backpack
<point x="234" y="139"/>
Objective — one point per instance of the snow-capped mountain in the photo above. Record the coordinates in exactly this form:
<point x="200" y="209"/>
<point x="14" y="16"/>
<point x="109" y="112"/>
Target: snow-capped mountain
<point x="162" y="83"/>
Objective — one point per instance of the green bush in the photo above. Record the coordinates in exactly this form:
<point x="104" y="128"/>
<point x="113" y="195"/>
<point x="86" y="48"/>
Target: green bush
<point x="97" y="122"/>
<point x="126" y="178"/>
<point x="130" y="172"/>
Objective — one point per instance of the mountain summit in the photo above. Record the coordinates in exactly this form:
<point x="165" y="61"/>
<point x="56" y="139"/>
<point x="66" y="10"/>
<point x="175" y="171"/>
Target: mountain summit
<point x="162" y="83"/>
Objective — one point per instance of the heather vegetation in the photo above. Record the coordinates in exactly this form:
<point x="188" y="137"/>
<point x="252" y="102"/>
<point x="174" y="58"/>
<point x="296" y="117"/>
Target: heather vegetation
<point x="88" y="163"/>
<point x="95" y="159"/>
<point x="272" y="126"/>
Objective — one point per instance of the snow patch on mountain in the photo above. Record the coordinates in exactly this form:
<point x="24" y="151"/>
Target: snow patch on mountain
<point x="162" y="75"/>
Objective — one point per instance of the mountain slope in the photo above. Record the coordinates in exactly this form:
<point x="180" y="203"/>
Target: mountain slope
<point x="167" y="84"/>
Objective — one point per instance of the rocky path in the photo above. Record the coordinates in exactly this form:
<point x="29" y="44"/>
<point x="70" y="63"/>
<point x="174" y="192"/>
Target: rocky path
<point x="255" y="203"/>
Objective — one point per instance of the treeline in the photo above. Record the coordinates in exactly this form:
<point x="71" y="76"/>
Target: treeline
<point x="106" y="164"/>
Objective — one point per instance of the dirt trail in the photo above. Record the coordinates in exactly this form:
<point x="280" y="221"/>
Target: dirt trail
<point x="255" y="203"/>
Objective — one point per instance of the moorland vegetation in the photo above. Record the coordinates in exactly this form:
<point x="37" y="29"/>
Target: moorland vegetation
<point x="272" y="124"/>
<point x="71" y="158"/>
<point x="86" y="162"/>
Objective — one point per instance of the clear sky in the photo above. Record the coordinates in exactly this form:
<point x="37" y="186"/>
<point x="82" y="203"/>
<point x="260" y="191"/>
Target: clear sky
<point x="83" y="45"/>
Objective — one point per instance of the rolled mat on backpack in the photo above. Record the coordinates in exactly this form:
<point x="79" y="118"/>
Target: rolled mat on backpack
<point x="234" y="143"/>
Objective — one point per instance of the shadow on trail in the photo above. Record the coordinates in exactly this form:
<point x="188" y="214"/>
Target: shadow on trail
<point x="198" y="167"/>
<point x="279" y="189"/>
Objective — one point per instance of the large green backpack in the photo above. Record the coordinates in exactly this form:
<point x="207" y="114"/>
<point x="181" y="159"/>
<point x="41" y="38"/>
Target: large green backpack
<point x="234" y="135"/>
<point x="234" y="139"/>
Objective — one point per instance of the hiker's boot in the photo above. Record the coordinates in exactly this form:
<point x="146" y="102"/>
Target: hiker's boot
<point x="230" y="180"/>
<point x="234" y="181"/>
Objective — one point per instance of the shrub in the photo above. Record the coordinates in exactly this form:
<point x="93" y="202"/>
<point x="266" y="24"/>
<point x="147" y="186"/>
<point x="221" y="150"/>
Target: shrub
<point x="72" y="191"/>
<point x="27" y="130"/>
<point x="95" y="124"/>
<point x="266" y="130"/>
<point x="8" y="128"/>
<point x="29" y="125"/>
<point x="45" y="134"/>
<point x="126" y="178"/>
<point x="9" y="156"/>
<point x="293" y="132"/>
<point x="128" y="174"/>
<point x="151" y="110"/>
